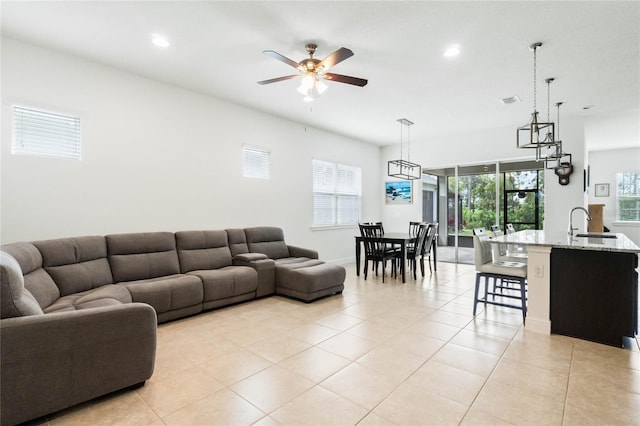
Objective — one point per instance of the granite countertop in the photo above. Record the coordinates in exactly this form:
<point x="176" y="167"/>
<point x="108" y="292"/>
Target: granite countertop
<point x="592" y="241"/>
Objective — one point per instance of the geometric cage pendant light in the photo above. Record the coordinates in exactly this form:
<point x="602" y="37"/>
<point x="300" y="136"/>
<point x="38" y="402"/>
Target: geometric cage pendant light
<point x="404" y="169"/>
<point x="558" y="160"/>
<point x="532" y="135"/>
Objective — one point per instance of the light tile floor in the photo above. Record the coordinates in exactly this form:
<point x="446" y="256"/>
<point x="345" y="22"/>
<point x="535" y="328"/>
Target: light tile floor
<point x="379" y="354"/>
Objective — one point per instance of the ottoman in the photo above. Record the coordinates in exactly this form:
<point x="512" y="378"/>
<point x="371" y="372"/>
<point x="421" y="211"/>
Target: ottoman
<point x="308" y="279"/>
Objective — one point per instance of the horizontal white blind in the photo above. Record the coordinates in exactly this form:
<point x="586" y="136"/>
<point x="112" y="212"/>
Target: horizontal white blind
<point x="256" y="163"/>
<point x="337" y="192"/>
<point x="44" y="133"/>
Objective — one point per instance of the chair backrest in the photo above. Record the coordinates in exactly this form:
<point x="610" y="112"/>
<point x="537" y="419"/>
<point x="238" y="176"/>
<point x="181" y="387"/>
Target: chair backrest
<point x="432" y="231"/>
<point x="414" y="227"/>
<point x="481" y="251"/>
<point x="372" y="238"/>
<point x="497" y="232"/>
<point x="479" y="231"/>
<point x="374" y="223"/>
<point x="510" y="228"/>
<point x="421" y="237"/>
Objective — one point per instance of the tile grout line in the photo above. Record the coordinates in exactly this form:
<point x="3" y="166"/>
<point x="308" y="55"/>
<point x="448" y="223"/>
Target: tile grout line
<point x="566" y="394"/>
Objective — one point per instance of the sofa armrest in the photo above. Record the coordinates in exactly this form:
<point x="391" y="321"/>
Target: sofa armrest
<point x="302" y="252"/>
<point x="249" y="257"/>
<point x="265" y="268"/>
<point x="53" y="361"/>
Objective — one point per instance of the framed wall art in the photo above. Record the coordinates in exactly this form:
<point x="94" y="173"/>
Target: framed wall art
<point x="602" y="189"/>
<point x="398" y="192"/>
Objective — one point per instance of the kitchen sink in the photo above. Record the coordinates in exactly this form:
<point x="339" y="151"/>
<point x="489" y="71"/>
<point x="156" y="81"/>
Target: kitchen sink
<point x="593" y="235"/>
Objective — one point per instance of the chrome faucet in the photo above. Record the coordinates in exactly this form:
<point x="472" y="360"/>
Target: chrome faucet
<point x="571" y="228"/>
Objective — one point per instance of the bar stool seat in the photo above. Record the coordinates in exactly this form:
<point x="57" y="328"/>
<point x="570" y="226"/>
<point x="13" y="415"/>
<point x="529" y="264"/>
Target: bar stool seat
<point x="509" y="279"/>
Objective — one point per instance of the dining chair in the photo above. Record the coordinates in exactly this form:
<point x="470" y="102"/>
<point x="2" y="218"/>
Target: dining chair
<point x="479" y="231"/>
<point x="413" y="231"/>
<point x="501" y="252"/>
<point x="422" y="249"/>
<point x="432" y="233"/>
<point x="417" y="249"/>
<point x="515" y="250"/>
<point x="414" y="227"/>
<point x="376" y="250"/>
<point x="509" y="279"/>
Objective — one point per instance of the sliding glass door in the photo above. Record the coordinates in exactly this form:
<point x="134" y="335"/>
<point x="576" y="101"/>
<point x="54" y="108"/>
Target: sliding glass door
<point x="480" y="196"/>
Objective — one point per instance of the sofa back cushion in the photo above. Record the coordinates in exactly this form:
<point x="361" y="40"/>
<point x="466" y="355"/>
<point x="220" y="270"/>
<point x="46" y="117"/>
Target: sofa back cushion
<point x="237" y="241"/>
<point x="140" y="256"/>
<point x="36" y="280"/>
<point x="76" y="264"/>
<point x="268" y="240"/>
<point x="15" y="300"/>
<point x="199" y="250"/>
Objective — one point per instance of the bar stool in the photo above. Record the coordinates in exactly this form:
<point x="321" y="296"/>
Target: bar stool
<point x="509" y="278"/>
<point x="501" y="252"/>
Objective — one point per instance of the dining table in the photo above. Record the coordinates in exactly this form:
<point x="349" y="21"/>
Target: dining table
<point x="403" y="239"/>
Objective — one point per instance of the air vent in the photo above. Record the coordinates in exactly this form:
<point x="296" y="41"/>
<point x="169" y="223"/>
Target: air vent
<point x="510" y="100"/>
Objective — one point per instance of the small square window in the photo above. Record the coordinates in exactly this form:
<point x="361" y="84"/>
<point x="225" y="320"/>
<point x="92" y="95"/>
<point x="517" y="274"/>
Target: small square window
<point x="256" y="163"/>
<point x="44" y="133"/>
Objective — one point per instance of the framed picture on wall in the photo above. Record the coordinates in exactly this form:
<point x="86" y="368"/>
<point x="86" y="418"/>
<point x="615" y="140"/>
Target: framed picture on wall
<point x="398" y="192"/>
<point x="602" y="189"/>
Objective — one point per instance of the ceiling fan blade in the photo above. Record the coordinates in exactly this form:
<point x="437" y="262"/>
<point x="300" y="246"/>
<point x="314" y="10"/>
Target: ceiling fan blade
<point x="275" y="80"/>
<point x="279" y="57"/>
<point x="335" y="58"/>
<point x="345" y="79"/>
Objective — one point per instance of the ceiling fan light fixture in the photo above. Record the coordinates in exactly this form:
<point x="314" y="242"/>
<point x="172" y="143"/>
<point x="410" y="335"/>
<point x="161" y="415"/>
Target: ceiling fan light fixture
<point x="312" y="71"/>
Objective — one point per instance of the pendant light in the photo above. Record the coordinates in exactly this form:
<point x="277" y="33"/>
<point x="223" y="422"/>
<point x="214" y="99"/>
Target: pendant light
<point x="529" y="135"/>
<point x="404" y="169"/>
<point x="549" y="139"/>
<point x="558" y="160"/>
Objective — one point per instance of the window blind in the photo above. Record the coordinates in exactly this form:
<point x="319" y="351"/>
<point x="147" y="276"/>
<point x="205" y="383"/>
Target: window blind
<point x="256" y="163"/>
<point x="43" y="133"/>
<point x="336" y="193"/>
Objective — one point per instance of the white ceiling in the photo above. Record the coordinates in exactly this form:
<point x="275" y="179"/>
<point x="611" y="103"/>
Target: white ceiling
<point x="591" y="48"/>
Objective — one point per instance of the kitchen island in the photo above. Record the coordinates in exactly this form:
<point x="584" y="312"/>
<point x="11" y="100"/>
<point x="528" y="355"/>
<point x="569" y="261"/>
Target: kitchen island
<point x="584" y="286"/>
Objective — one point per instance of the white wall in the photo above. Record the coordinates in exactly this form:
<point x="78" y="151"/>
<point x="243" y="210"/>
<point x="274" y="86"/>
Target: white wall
<point x="157" y="157"/>
<point x="604" y="165"/>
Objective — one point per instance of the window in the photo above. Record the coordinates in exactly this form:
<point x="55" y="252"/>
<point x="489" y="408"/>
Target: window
<point x="336" y="193"/>
<point x="43" y="133"/>
<point x="256" y="163"/>
<point x="628" y="192"/>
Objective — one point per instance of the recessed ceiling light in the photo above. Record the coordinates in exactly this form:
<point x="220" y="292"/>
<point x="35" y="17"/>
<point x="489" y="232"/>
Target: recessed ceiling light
<point x="453" y="50"/>
<point x="159" y="40"/>
<point x="510" y="100"/>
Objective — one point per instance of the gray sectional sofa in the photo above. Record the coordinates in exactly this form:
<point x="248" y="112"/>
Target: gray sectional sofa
<point x="79" y="315"/>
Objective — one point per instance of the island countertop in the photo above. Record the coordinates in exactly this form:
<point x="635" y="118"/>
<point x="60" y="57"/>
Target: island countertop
<point x="590" y="241"/>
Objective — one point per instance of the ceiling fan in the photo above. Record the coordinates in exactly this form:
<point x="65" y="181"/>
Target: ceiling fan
<point x="313" y="71"/>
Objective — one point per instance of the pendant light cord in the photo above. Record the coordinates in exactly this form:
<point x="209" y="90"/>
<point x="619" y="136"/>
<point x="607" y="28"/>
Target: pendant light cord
<point x="535" y="50"/>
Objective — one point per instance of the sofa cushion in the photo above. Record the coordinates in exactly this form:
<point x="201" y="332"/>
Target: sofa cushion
<point x="237" y="241"/>
<point x="36" y="280"/>
<point x="227" y="282"/>
<point x="142" y="256"/>
<point x="268" y="240"/>
<point x="202" y="250"/>
<point x="167" y="293"/>
<point x="105" y="295"/>
<point x="76" y="264"/>
<point x="15" y="300"/>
